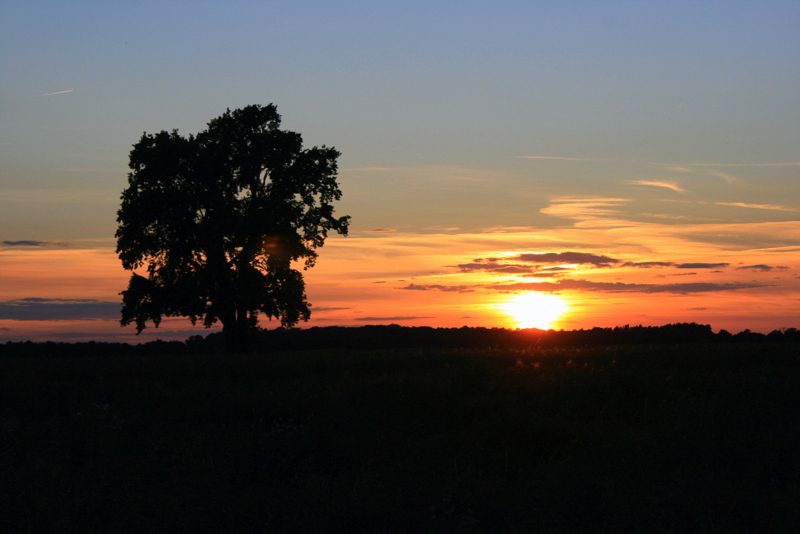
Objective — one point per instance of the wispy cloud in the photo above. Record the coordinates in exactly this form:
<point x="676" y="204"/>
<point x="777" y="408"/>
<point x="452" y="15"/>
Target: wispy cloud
<point x="621" y="287"/>
<point x="669" y="185"/>
<point x="34" y="243"/>
<point x="776" y="164"/>
<point x="585" y="209"/>
<point x="569" y="284"/>
<point x="507" y="268"/>
<point x="553" y="272"/>
<point x="380" y="231"/>
<point x="58" y="92"/>
<point x="561" y="258"/>
<point x="757" y="206"/>
<point x="673" y="217"/>
<point x="439" y="287"/>
<point x="560" y="158"/>
<point x="727" y="177"/>
<point x="647" y="264"/>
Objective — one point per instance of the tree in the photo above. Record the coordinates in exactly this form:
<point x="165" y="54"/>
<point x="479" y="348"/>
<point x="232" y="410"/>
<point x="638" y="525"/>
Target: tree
<point x="219" y="220"/>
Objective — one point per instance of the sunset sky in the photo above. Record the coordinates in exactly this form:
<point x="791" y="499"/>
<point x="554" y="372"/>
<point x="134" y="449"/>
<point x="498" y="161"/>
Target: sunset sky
<point x="505" y="164"/>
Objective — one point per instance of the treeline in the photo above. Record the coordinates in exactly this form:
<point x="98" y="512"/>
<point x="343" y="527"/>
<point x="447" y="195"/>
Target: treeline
<point x="396" y="336"/>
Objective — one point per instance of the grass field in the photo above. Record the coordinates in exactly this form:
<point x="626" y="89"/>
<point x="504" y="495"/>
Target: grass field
<point x="679" y="438"/>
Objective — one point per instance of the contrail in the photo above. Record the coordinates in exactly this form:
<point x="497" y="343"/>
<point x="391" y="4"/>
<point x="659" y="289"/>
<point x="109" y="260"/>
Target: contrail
<point x="58" y="92"/>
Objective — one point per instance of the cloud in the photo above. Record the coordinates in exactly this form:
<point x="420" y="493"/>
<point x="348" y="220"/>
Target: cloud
<point x="439" y="287"/>
<point x="380" y="231"/>
<point x="760" y="267"/>
<point x="727" y="177"/>
<point x="58" y="92"/>
<point x="369" y="169"/>
<point x="676" y="217"/>
<point x="701" y="265"/>
<point x="620" y="287"/>
<point x="33" y="243"/>
<point x="585" y="209"/>
<point x="323" y="309"/>
<point x="756" y="206"/>
<point x="560" y="258"/>
<point x="777" y="164"/>
<point x="669" y="185"/>
<point x="647" y="264"/>
<point x="42" y="309"/>
<point x="559" y="158"/>
<point x="493" y="265"/>
<point x="547" y="274"/>
<point x="587" y="285"/>
<point x="395" y="318"/>
<point x="477" y="265"/>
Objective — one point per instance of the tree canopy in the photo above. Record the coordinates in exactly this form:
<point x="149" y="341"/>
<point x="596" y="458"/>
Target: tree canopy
<point x="220" y="220"/>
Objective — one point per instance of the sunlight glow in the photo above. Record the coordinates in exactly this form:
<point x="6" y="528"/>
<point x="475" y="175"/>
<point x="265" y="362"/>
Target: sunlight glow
<point x="535" y="310"/>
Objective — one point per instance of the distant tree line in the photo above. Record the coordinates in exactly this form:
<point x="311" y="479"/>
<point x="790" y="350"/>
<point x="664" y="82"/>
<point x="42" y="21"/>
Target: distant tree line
<point x="404" y="337"/>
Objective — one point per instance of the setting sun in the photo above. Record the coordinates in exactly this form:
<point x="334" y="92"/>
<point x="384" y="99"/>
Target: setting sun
<point x="535" y="310"/>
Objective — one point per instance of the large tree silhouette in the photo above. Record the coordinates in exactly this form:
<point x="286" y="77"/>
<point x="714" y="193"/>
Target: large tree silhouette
<point x="220" y="219"/>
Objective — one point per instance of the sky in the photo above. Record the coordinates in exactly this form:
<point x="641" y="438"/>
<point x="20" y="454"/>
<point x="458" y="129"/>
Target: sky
<point x="506" y="164"/>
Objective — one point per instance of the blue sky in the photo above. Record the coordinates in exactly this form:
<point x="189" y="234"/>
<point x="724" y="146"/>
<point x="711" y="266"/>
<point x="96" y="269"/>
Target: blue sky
<point x="450" y="116"/>
<point x="472" y="85"/>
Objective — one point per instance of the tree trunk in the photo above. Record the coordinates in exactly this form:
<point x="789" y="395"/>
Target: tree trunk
<point x="236" y="329"/>
<point x="236" y="338"/>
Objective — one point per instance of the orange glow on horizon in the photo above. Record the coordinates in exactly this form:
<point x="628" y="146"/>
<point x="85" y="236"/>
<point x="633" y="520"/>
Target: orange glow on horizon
<point x="415" y="279"/>
<point x="535" y="310"/>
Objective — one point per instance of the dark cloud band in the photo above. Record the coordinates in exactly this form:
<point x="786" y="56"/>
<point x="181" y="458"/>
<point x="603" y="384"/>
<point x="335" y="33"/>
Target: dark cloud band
<point x="701" y="265"/>
<point x="761" y="267"/>
<point x="40" y="309"/>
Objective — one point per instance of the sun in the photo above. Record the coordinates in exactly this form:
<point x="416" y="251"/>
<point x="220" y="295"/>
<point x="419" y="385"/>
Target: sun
<point x="535" y="310"/>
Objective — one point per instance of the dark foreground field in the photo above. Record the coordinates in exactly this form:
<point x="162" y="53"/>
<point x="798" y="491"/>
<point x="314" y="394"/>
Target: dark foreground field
<point x="691" y="438"/>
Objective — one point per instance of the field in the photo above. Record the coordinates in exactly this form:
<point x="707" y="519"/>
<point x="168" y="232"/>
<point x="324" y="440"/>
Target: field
<point x="673" y="438"/>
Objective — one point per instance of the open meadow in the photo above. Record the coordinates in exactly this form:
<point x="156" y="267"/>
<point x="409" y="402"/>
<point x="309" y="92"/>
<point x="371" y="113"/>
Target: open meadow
<point x="670" y="438"/>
